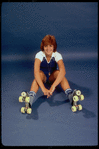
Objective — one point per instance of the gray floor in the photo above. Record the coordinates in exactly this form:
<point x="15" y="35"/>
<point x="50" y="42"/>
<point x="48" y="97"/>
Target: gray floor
<point x="52" y="122"/>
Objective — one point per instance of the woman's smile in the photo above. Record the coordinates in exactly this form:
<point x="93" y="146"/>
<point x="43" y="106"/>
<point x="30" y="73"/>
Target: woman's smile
<point x="48" y="49"/>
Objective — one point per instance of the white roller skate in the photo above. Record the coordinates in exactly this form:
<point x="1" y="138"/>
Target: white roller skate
<point x="76" y="96"/>
<point x="25" y="98"/>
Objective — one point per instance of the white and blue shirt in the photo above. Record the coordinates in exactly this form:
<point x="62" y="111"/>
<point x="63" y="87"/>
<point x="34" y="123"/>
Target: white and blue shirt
<point x="48" y="67"/>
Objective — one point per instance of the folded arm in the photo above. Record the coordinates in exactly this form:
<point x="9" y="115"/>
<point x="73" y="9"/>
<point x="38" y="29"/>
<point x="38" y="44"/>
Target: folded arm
<point x="38" y="76"/>
<point x="60" y="76"/>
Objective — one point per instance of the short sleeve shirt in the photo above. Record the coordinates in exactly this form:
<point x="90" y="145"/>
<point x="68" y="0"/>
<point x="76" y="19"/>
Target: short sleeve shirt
<point x="48" y="67"/>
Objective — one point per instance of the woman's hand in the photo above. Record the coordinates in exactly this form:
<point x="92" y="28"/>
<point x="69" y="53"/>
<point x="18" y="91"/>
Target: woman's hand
<point x="46" y="92"/>
<point x="52" y="89"/>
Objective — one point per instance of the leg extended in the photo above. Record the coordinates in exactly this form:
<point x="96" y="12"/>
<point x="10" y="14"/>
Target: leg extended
<point x="35" y="86"/>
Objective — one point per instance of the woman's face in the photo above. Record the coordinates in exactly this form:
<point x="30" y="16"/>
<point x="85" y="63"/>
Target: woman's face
<point x="48" y="49"/>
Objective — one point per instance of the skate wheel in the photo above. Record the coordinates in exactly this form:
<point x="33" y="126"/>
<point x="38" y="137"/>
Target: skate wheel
<point x="20" y="99"/>
<point x="79" y="107"/>
<point x="75" y="98"/>
<point x="81" y="97"/>
<point x="78" y="92"/>
<point x="23" y="94"/>
<point x="73" y="108"/>
<point x="27" y="99"/>
<point x="29" y="111"/>
<point x="23" y="110"/>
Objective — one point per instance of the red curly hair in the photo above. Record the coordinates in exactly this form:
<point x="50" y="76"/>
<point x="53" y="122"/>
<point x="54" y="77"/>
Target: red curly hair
<point x="48" y="39"/>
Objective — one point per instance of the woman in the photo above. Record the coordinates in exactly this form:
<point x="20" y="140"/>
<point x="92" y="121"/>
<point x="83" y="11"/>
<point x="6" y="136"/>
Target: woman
<point x="48" y="67"/>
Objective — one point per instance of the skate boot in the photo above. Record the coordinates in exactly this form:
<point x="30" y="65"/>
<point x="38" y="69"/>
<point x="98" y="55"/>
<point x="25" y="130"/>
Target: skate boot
<point x="25" y="98"/>
<point x="74" y="98"/>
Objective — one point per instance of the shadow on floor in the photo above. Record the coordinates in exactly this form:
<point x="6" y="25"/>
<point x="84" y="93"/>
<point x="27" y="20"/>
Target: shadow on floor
<point x="39" y="101"/>
<point x="88" y="114"/>
<point x="86" y="91"/>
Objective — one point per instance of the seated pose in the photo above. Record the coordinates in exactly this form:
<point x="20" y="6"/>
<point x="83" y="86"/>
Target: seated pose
<point x="49" y="67"/>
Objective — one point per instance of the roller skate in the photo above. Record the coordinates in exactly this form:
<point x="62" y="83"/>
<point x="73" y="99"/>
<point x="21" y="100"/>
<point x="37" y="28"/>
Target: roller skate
<point x="25" y="98"/>
<point x="76" y="96"/>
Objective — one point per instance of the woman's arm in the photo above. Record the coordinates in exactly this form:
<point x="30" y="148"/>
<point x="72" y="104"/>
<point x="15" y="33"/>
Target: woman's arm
<point x="38" y="78"/>
<point x="60" y="76"/>
<point x="37" y="73"/>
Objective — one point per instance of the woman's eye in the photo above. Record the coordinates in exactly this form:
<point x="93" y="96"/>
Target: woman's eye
<point x="47" y="45"/>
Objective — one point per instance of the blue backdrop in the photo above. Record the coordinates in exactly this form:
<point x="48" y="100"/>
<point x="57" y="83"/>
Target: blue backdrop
<point x="74" y="24"/>
<point x="75" y="27"/>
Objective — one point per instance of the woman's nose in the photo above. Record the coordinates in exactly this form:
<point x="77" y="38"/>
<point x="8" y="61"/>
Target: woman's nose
<point x="48" y="47"/>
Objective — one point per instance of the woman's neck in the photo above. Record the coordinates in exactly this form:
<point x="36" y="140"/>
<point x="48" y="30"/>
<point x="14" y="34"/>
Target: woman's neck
<point x="48" y="57"/>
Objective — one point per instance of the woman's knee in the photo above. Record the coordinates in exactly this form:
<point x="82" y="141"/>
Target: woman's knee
<point x="54" y="75"/>
<point x="43" y="76"/>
